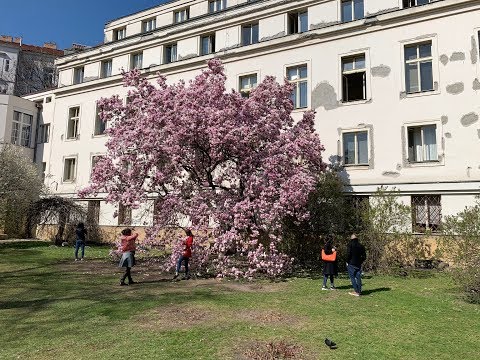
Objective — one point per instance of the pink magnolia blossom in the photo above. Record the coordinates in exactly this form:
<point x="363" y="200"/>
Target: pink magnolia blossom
<point x="234" y="167"/>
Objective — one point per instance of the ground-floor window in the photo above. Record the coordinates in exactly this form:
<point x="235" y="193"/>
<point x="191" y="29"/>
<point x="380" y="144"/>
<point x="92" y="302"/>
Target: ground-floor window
<point x="426" y="213"/>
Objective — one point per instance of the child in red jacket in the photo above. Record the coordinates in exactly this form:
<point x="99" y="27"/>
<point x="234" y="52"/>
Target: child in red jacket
<point x="128" y="255"/>
<point x="186" y="255"/>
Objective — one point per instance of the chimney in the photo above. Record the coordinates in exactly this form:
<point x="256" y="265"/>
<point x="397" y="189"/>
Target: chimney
<point x="6" y="38"/>
<point x="50" y="45"/>
<point x="17" y="40"/>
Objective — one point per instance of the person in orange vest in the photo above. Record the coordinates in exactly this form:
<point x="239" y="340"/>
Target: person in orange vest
<point x="330" y="266"/>
<point x="186" y="255"/>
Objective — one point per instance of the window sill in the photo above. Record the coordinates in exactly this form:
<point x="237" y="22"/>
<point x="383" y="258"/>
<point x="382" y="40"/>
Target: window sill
<point x="69" y="181"/>
<point x="356" y="167"/>
<point x="98" y="135"/>
<point x="300" y="110"/>
<point x="355" y="102"/>
<point x="425" y="164"/>
<point x="422" y="93"/>
<point x="72" y="139"/>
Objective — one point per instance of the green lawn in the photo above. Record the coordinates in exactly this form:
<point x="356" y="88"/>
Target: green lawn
<point x="54" y="308"/>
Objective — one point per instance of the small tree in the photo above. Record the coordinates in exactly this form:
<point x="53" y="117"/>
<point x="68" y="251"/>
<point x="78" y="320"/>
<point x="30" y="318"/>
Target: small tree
<point x="212" y="159"/>
<point x="460" y="242"/>
<point x="386" y="230"/>
<point x="20" y="186"/>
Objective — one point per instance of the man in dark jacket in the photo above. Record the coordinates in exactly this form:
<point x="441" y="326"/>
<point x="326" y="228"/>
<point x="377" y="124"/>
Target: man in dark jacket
<point x="356" y="255"/>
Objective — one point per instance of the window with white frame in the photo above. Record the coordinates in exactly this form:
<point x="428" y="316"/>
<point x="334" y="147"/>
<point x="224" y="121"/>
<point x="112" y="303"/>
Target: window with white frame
<point x="43" y="134"/>
<point x="170" y="53"/>
<point x="69" y="169"/>
<point x="422" y="143"/>
<point x="21" y="129"/>
<point x="354" y="78"/>
<point x="298" y="22"/>
<point x="418" y="67"/>
<point x="247" y="83"/>
<point x="412" y="3"/>
<point x="119" y="34"/>
<point x="95" y="160"/>
<point x="93" y="212"/>
<point x="355" y="148"/>
<point x="78" y="75"/>
<point x="249" y="34"/>
<point x="352" y="10"/>
<point x="149" y="25"/>
<point x="217" y="5"/>
<point x="298" y="76"/>
<point x="426" y="213"/>
<point x="207" y="44"/>
<point x="106" y="69"/>
<point x="181" y="15"/>
<point x="73" y="122"/>
<point x="100" y="125"/>
<point x="136" y="61"/>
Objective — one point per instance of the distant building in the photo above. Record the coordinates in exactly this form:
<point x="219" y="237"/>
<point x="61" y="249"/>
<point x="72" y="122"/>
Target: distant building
<point x="26" y="69"/>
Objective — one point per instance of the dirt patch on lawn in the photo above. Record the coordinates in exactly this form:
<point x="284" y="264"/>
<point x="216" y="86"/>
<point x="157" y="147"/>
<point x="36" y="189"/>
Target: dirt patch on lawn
<point x="253" y="287"/>
<point x="271" y="350"/>
<point x="176" y="317"/>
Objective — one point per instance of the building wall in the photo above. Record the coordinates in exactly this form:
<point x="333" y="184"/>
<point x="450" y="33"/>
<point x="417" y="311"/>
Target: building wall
<point x="386" y="113"/>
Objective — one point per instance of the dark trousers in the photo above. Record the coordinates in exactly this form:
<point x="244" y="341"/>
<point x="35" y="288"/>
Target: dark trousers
<point x="325" y="278"/>
<point x="79" y="244"/>
<point x="179" y="264"/>
<point x="355" y="274"/>
<point x="127" y="275"/>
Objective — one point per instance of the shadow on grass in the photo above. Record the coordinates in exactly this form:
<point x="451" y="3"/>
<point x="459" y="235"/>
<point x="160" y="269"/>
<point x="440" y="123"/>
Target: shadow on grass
<point x="372" y="291"/>
<point x="27" y="244"/>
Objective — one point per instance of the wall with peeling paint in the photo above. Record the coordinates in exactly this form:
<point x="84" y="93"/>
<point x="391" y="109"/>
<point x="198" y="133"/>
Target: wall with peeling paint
<point x="387" y="112"/>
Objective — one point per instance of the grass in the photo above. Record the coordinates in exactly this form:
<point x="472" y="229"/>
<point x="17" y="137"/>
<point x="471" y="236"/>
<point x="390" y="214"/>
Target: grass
<point x="54" y="308"/>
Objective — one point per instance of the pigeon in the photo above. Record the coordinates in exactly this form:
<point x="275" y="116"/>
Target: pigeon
<point x="330" y="344"/>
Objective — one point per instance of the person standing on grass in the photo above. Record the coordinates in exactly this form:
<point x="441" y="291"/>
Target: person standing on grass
<point x="186" y="255"/>
<point x="356" y="255"/>
<point x="81" y="234"/>
<point x="128" y="255"/>
<point x="330" y="266"/>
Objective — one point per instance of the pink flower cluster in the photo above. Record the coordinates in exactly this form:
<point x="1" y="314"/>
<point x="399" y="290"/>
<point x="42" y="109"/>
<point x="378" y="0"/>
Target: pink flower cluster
<point x="233" y="167"/>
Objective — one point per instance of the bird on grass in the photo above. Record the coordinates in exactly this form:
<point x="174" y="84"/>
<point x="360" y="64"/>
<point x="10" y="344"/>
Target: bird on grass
<point x="330" y="344"/>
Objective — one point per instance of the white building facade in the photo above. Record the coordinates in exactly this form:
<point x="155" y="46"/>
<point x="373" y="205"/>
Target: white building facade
<point x="394" y="83"/>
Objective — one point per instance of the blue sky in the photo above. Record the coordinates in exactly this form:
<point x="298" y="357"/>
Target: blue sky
<point x="64" y="21"/>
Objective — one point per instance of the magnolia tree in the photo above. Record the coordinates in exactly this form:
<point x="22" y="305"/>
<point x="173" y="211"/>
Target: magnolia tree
<point x="233" y="167"/>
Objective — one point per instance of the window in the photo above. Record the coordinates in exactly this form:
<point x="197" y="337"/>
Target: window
<point x="106" y="69"/>
<point x="7" y="65"/>
<point x="124" y="215"/>
<point x="136" y="61"/>
<point x="426" y="213"/>
<point x="170" y="54"/>
<point x="69" y="170"/>
<point x="149" y="25"/>
<point x="78" y="75"/>
<point x="93" y="212"/>
<point x="100" y="125"/>
<point x="297" y="22"/>
<point x="418" y="67"/>
<point x="352" y="10"/>
<point x="355" y="148"/>
<point x="48" y="99"/>
<point x="73" y="122"/>
<point x="181" y="15"/>
<point x="95" y="160"/>
<point x="422" y="143"/>
<point x="207" y="44"/>
<point x="354" y="78"/>
<point x="119" y="34"/>
<point x="249" y="34"/>
<point x="412" y="3"/>
<point x="217" y="5"/>
<point x="21" y="129"/>
<point x="43" y="134"/>
<point x="247" y="83"/>
<point x="297" y="75"/>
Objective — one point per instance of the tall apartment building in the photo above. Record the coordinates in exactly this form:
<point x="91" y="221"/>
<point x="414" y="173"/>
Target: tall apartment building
<point x="25" y="69"/>
<point x="394" y="83"/>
